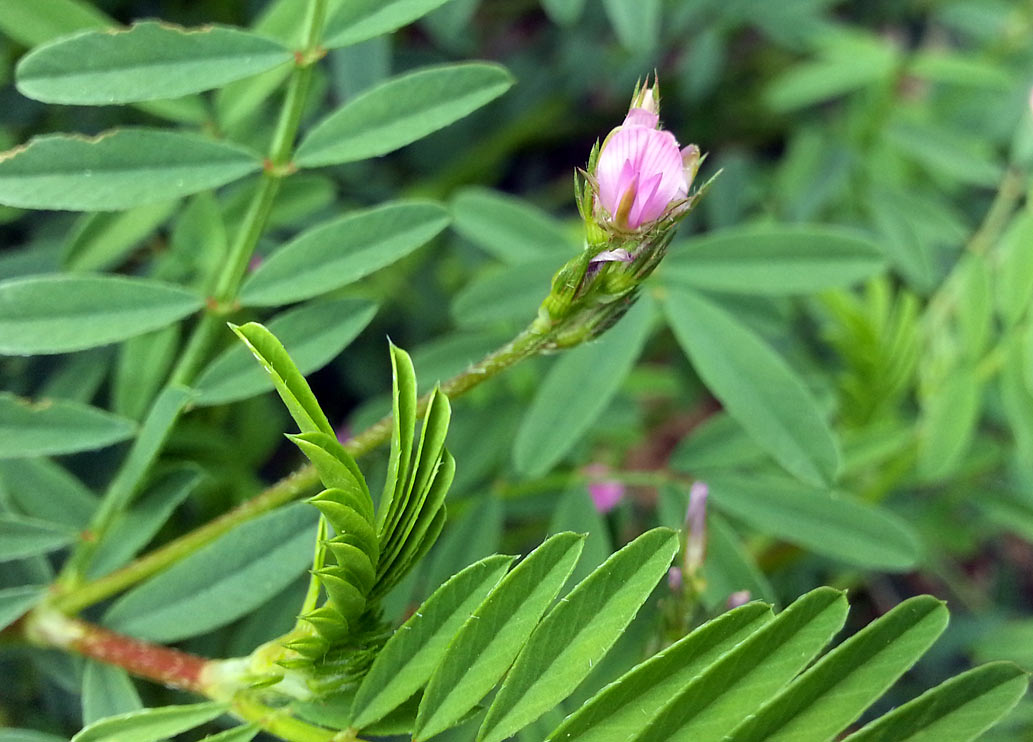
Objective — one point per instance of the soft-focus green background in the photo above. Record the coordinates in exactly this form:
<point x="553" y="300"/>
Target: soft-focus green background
<point x="896" y="120"/>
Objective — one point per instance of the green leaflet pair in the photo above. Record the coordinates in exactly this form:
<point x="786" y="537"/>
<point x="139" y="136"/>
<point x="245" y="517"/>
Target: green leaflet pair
<point x="369" y="550"/>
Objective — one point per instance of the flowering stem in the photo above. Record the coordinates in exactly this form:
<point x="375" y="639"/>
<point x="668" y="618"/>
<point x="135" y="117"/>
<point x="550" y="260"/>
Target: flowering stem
<point x="297" y="484"/>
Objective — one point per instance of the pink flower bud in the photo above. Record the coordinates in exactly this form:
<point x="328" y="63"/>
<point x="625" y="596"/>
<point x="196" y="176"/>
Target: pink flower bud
<point x="674" y="579"/>
<point x="736" y="599"/>
<point x="695" y="522"/>
<point x="641" y="172"/>
<point x="605" y="493"/>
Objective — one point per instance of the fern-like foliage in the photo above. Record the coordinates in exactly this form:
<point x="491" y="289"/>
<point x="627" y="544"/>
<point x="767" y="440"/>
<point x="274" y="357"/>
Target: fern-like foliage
<point x="368" y="549"/>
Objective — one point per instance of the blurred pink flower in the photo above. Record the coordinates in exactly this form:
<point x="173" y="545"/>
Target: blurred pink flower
<point x="696" y="523"/>
<point x="641" y="172"/>
<point x="674" y="579"/>
<point x="738" y="598"/>
<point x="606" y="493"/>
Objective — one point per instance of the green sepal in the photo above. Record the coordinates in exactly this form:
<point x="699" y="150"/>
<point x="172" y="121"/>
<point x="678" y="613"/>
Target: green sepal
<point x="403" y="408"/>
<point x="328" y="622"/>
<point x="309" y="647"/>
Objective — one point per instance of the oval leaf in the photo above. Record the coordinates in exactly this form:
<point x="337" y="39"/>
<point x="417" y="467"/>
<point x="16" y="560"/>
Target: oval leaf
<point x="23" y="537"/>
<point x="150" y="725"/>
<point x="578" y="633"/>
<point x="400" y="111"/>
<point x="56" y="426"/>
<point x="577" y="389"/>
<point x="507" y="227"/>
<point x="773" y="261"/>
<point x="221" y="582"/>
<point x="118" y="169"/>
<point x="312" y="334"/>
<point x="57" y="314"/>
<point x="487" y="642"/>
<point x="358" y="20"/>
<point x="107" y="690"/>
<point x="342" y="251"/>
<point x="15" y="601"/>
<point x="148" y="61"/>
<point x="841" y="527"/>
<point x="756" y="387"/>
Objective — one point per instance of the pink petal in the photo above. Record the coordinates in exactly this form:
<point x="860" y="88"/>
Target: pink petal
<point x="641" y="117"/>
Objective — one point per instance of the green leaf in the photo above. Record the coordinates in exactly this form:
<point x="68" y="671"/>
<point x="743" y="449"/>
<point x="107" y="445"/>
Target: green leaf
<point x="23" y="537"/>
<point x="718" y="443"/>
<point x="958" y="710"/>
<point x="509" y="228"/>
<point x="312" y="334"/>
<point x="619" y="710"/>
<point x="575" y="511"/>
<point x="808" y="83"/>
<point x="28" y="735"/>
<point x="578" y="389"/>
<point x="132" y="529"/>
<point x="507" y="294"/>
<point x="756" y="386"/>
<point x="16" y="601"/>
<point x="635" y="22"/>
<point x="57" y="314"/>
<point x="150" y="440"/>
<point x="56" y="426"/>
<point x="41" y="489"/>
<point x="417" y="646"/>
<point x="829" y="696"/>
<point x="289" y="382"/>
<point x="400" y="111"/>
<point x="1014" y="275"/>
<point x="950" y="414"/>
<point x="119" y="169"/>
<point x="738" y="683"/>
<point x="486" y="644"/>
<point x="151" y="725"/>
<point x="243" y="733"/>
<point x="337" y="470"/>
<point x="147" y="61"/>
<point x="34" y="23"/>
<point x="222" y="581"/>
<point x="107" y="691"/>
<point x="342" y="251"/>
<point x="403" y="410"/>
<point x="840" y="526"/>
<point x="577" y="633"/>
<point x="774" y="260"/>
<point x="143" y="365"/>
<point x="102" y="240"/>
<point x="729" y="566"/>
<point x="358" y="20"/>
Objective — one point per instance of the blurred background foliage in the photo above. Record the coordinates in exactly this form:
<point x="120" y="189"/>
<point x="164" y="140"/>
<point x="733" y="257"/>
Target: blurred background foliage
<point x="901" y="125"/>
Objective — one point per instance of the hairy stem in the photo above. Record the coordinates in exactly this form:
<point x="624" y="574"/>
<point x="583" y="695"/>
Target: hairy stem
<point x="301" y="482"/>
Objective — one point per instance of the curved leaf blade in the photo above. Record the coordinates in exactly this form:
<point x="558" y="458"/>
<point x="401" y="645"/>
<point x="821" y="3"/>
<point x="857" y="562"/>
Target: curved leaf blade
<point x="618" y="710"/>
<point x="56" y="426"/>
<point x="222" y="581"/>
<point x="577" y="389"/>
<point x="508" y="228"/>
<point x="312" y="334"/>
<point x="490" y="639"/>
<point x="400" y="111"/>
<point x="825" y="699"/>
<point x="957" y="710"/>
<point x="839" y="526"/>
<point x="782" y="260"/>
<point x="290" y="383"/>
<point x="576" y="634"/>
<point x="118" y="169"/>
<point x="148" y="61"/>
<point x="15" y="601"/>
<point x="61" y="313"/>
<point x="358" y="20"/>
<point x="743" y="679"/>
<point x="107" y="690"/>
<point x="342" y="251"/>
<point x="150" y="725"/>
<point x="756" y="386"/>
<point x="415" y="649"/>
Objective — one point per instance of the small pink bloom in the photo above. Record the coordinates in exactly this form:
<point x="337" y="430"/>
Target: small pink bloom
<point x="641" y="171"/>
<point x="674" y="579"/>
<point x="736" y="599"/>
<point x="696" y="522"/>
<point x="605" y="493"/>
